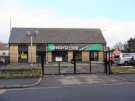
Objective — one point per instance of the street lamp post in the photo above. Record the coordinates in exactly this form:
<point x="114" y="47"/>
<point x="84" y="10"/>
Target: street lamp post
<point x="31" y="41"/>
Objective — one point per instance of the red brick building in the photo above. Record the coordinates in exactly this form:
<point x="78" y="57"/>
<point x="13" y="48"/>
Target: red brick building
<point x="26" y="44"/>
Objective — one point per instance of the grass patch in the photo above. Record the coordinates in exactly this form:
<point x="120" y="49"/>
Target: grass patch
<point x="123" y="70"/>
<point x="20" y="73"/>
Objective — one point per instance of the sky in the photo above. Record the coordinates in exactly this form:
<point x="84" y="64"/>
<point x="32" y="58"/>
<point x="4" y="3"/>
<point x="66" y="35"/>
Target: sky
<point x="116" y="18"/>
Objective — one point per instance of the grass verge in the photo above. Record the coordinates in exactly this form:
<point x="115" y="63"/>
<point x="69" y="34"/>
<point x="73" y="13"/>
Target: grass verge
<point x="20" y="73"/>
<point x="123" y="70"/>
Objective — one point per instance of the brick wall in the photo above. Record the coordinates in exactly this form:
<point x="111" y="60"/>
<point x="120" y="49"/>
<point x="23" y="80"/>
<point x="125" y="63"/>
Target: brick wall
<point x="70" y="56"/>
<point x="85" y="56"/>
<point x="13" y="51"/>
<point x="32" y="54"/>
<point x="101" y="56"/>
<point x="49" y="57"/>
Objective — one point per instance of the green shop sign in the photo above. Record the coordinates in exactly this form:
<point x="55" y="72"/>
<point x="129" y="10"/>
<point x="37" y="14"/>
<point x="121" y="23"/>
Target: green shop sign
<point x="91" y="47"/>
<point x="96" y="47"/>
<point x="51" y="47"/>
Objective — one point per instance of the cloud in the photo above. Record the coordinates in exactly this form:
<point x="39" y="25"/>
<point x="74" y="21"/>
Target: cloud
<point x="113" y="30"/>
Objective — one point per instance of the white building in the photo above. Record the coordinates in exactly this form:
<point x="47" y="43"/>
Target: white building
<point x="4" y="53"/>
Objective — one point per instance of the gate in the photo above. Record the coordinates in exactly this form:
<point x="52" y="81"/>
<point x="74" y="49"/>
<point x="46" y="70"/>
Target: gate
<point x="91" y="66"/>
<point x="59" y="67"/>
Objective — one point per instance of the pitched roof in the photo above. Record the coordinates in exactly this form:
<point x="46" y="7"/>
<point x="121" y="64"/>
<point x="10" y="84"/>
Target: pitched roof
<point x="57" y="35"/>
<point x="3" y="46"/>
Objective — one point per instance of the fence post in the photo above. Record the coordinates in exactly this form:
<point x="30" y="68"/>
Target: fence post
<point x="90" y="62"/>
<point x="106" y="62"/>
<point x="74" y="59"/>
<point x="109" y="63"/>
<point x="42" y="63"/>
<point x="59" y="67"/>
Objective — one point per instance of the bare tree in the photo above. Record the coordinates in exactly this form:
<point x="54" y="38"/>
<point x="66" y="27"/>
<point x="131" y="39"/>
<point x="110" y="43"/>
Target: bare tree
<point x="126" y="48"/>
<point x="119" y="45"/>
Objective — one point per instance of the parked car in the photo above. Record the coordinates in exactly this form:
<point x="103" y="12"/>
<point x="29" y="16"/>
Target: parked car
<point x="132" y="61"/>
<point x="4" y="60"/>
<point x="125" y="58"/>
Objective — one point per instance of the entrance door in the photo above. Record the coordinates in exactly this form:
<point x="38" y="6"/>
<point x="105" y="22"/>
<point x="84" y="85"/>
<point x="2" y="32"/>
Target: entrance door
<point x="39" y="54"/>
<point x="78" y="56"/>
<point x="40" y="49"/>
<point x="93" y="56"/>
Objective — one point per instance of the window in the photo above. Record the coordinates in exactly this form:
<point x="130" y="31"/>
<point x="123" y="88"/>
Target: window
<point x="93" y="56"/>
<point x="78" y="56"/>
<point x="39" y="49"/>
<point x="3" y="53"/>
<point x="23" y="53"/>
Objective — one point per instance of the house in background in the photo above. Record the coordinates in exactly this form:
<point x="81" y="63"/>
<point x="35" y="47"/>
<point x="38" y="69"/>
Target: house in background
<point x="4" y="53"/>
<point x="131" y="45"/>
<point x="27" y="44"/>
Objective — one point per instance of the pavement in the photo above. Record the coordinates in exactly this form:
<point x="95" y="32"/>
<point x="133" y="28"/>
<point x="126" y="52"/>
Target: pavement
<point x="19" y="83"/>
<point x="96" y="77"/>
<point x="78" y="79"/>
<point x="125" y="77"/>
<point x="68" y="80"/>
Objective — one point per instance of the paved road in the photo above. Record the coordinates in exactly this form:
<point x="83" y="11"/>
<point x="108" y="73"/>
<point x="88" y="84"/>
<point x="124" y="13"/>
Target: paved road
<point x="96" y="92"/>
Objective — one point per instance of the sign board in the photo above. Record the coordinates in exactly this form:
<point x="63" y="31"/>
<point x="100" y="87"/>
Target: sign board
<point x="58" y="59"/>
<point x="52" y="47"/>
<point x="73" y="47"/>
<point x="66" y="47"/>
<point x="23" y="56"/>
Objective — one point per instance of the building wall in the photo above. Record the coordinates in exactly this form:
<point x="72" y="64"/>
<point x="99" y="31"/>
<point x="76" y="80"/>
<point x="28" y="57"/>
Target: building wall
<point x="70" y="56"/>
<point x="131" y="45"/>
<point x="4" y="52"/>
<point x="85" y="56"/>
<point x="13" y="54"/>
<point x="32" y="54"/>
<point x="101" y="56"/>
<point x="49" y="57"/>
